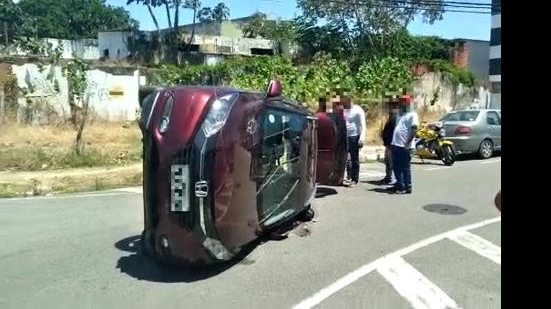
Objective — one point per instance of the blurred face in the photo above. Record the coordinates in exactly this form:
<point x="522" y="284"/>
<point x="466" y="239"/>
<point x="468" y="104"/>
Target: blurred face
<point x="393" y="109"/>
<point x="346" y="102"/>
<point x="404" y="108"/>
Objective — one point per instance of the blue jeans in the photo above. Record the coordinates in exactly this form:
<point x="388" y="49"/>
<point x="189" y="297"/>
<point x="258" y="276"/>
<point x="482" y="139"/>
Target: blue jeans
<point x="353" y="165"/>
<point x="401" y="163"/>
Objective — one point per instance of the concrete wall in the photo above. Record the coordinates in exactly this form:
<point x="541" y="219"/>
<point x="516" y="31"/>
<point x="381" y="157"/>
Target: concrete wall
<point x="85" y="48"/>
<point x="431" y="86"/>
<point x="112" y="97"/>
<point x="115" y="42"/>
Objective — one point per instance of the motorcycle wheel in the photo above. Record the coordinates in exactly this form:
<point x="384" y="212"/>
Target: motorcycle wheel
<point x="448" y="155"/>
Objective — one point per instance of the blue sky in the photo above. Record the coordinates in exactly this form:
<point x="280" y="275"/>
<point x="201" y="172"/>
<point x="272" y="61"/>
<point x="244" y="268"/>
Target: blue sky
<point x="454" y="25"/>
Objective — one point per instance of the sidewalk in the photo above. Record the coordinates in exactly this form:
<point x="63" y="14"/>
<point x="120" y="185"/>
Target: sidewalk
<point x="372" y="153"/>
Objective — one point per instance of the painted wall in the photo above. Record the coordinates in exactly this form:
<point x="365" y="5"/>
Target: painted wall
<point x="431" y="87"/>
<point x="112" y="97"/>
<point x="115" y="43"/>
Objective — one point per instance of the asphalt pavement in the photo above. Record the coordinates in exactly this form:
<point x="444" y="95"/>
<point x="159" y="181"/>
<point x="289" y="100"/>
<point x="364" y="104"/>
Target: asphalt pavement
<point x="438" y="247"/>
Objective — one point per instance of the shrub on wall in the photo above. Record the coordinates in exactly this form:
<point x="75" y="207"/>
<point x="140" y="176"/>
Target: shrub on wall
<point x="373" y="80"/>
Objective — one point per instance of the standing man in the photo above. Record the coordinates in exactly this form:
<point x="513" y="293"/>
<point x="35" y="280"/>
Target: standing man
<point x="356" y="128"/>
<point x="386" y="136"/>
<point x="401" y="145"/>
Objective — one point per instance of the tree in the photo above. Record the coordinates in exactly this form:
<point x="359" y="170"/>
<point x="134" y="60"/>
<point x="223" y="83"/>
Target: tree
<point x="193" y="5"/>
<point x="79" y="100"/>
<point x="219" y="13"/>
<point x="14" y="22"/>
<point x="364" y="19"/>
<point x="67" y="19"/>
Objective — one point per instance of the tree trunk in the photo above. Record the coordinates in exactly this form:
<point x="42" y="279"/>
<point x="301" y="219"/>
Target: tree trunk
<point x="154" y="18"/>
<point x="169" y="18"/>
<point x="79" y="141"/>
<point x="192" y="29"/>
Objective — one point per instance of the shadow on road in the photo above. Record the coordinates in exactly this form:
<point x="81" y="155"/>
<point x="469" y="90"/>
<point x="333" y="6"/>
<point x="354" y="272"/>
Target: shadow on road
<point x="381" y="190"/>
<point x="322" y="192"/>
<point x="141" y="267"/>
<point x="373" y="182"/>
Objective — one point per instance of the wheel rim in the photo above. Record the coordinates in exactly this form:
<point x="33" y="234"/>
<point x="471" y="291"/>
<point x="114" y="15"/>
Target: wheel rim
<point x="487" y="149"/>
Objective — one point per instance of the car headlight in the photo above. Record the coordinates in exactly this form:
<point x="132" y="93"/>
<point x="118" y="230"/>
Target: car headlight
<point x="218" y="113"/>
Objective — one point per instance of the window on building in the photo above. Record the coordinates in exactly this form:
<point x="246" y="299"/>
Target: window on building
<point x="262" y="51"/>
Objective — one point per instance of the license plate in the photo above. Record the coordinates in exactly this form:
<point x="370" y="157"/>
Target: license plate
<point x="179" y="188"/>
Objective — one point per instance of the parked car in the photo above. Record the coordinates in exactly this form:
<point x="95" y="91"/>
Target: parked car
<point x="474" y="131"/>
<point x="221" y="167"/>
<point x="332" y="145"/>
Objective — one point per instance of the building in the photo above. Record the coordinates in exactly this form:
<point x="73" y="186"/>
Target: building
<point x="495" y="54"/>
<point x="227" y="28"/>
<point x="472" y="55"/>
<point x="113" y="44"/>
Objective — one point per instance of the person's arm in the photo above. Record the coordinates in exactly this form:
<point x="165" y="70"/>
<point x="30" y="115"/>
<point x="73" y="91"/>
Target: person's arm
<point x="414" y="125"/>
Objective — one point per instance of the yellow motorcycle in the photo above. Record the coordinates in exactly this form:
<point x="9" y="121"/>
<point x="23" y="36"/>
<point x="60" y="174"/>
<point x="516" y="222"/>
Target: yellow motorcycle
<point x="430" y="143"/>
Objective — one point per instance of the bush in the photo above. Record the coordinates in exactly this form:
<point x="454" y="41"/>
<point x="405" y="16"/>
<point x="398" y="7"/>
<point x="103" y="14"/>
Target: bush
<point x="373" y="79"/>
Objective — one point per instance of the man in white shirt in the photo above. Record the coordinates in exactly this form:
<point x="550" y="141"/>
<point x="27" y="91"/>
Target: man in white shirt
<point x="356" y="128"/>
<point x="402" y="138"/>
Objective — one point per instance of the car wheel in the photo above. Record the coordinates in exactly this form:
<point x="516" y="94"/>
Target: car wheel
<point x="307" y="214"/>
<point x="486" y="149"/>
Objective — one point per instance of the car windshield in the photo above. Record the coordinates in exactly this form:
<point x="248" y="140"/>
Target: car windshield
<point x="461" y="116"/>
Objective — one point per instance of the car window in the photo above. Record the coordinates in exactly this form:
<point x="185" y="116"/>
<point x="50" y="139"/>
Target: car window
<point x="492" y="118"/>
<point x="461" y="116"/>
<point x="277" y="164"/>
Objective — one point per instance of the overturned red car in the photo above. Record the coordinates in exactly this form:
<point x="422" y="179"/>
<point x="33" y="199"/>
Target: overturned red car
<point x="222" y="166"/>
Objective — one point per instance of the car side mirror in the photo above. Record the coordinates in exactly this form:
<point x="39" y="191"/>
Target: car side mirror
<point x="274" y="89"/>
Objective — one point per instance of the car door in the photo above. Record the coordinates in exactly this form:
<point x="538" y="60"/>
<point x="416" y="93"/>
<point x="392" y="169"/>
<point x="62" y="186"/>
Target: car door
<point x="493" y="121"/>
<point x="278" y="163"/>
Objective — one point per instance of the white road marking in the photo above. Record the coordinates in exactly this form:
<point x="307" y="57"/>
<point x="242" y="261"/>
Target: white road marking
<point x="412" y="285"/>
<point x="367" y="268"/>
<point x="478" y="245"/>
<point x="491" y="161"/>
<point x="113" y="192"/>
<point x="130" y="190"/>
<point x="89" y="194"/>
<point x="438" y="168"/>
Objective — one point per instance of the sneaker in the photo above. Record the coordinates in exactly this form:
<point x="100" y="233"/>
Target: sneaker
<point x="403" y="191"/>
<point x="385" y="181"/>
<point x="393" y="188"/>
<point x="353" y="184"/>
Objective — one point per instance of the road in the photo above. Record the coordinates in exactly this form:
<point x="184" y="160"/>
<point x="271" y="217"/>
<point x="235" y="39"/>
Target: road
<point x="366" y="249"/>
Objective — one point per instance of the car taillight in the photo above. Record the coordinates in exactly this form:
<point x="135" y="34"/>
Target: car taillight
<point x="462" y="130"/>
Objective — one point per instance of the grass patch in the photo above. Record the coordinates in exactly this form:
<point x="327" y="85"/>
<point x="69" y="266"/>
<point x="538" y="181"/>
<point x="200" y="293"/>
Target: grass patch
<point x="48" y="147"/>
<point x="9" y="190"/>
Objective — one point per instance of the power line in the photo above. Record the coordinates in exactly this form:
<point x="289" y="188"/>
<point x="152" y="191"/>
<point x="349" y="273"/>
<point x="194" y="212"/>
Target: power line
<point x="447" y="6"/>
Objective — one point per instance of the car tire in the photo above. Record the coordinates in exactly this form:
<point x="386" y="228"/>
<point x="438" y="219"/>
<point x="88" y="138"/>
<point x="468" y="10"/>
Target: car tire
<point x="486" y="149"/>
<point x="307" y="214"/>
